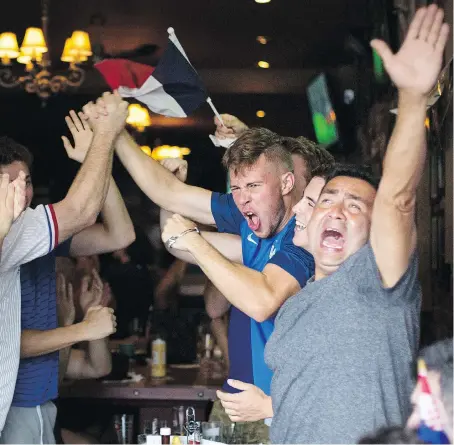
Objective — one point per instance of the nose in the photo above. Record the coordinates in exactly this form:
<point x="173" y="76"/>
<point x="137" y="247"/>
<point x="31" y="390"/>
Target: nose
<point x="336" y="211"/>
<point x="244" y="197"/>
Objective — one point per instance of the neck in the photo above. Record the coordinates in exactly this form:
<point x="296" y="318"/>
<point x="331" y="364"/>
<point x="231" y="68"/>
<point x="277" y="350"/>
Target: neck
<point x="322" y="272"/>
<point x="289" y="202"/>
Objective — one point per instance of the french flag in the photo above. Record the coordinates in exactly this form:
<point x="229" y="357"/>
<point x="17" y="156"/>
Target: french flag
<point x="430" y="429"/>
<point x="172" y="88"/>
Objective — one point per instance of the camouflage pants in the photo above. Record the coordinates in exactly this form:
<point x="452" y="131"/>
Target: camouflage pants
<point x="250" y="432"/>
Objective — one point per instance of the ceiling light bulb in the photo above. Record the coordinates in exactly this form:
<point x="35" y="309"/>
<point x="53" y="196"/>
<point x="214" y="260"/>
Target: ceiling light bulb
<point x="262" y="1"/>
<point x="263" y="64"/>
<point x="260" y="113"/>
<point x="262" y="40"/>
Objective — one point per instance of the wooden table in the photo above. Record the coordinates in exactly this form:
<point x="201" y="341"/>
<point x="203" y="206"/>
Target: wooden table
<point x="147" y="399"/>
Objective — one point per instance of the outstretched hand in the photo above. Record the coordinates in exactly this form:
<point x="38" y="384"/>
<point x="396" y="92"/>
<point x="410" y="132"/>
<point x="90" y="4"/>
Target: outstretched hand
<point x="417" y="64"/>
<point x="82" y="136"/>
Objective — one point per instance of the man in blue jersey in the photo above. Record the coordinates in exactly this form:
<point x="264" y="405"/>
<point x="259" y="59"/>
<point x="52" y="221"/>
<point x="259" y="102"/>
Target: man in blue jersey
<point x="260" y="210"/>
<point x="31" y="417"/>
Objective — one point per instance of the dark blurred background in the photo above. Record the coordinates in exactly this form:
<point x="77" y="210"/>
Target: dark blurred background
<point x="304" y="39"/>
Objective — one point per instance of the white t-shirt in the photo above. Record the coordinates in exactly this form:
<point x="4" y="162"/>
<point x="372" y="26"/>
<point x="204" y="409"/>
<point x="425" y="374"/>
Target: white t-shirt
<point x="33" y="234"/>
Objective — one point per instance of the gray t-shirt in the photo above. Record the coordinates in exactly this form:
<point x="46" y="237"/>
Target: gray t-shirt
<point x="341" y="353"/>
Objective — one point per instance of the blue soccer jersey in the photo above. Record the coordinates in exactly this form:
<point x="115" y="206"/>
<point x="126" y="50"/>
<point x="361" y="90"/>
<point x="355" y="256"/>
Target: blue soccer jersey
<point x="247" y="337"/>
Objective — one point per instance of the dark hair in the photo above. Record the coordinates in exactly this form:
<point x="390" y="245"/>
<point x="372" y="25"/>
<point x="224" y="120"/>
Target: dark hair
<point x="393" y="434"/>
<point x="315" y="156"/>
<point x="323" y="170"/>
<point x="354" y="171"/>
<point x="11" y="151"/>
<point x="438" y="357"/>
<point x="320" y="160"/>
<point x="254" y="142"/>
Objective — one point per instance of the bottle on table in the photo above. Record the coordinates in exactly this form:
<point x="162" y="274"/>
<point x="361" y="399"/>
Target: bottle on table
<point x="165" y="435"/>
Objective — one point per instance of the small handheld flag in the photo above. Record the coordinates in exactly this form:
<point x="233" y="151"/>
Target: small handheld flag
<point x="430" y="429"/>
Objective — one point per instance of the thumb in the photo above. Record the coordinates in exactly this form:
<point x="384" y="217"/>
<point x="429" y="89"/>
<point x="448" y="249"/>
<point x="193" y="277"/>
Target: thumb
<point x="383" y="50"/>
<point x="238" y="384"/>
<point x="68" y="147"/>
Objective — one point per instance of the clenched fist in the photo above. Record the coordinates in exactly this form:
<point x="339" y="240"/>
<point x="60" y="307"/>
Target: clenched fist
<point x="100" y="322"/>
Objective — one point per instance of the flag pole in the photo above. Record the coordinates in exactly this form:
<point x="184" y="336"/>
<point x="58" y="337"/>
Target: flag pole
<point x="176" y="42"/>
<point x="216" y="113"/>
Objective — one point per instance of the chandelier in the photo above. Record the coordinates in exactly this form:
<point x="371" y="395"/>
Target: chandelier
<point x="34" y="54"/>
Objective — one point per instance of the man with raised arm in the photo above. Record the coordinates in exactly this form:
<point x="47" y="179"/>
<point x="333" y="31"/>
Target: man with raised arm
<point x="37" y="232"/>
<point x="342" y="348"/>
<point x="260" y="210"/>
<point x="41" y="337"/>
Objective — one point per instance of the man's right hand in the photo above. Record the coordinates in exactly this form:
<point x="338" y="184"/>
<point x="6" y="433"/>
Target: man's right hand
<point x="232" y="128"/>
<point x="179" y="167"/>
<point x="99" y="322"/>
<point x="82" y="136"/>
<point x="12" y="201"/>
<point x="108" y="115"/>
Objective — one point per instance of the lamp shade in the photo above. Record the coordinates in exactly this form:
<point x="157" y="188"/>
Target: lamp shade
<point x="8" y="45"/>
<point x="68" y="54"/>
<point x="33" y="42"/>
<point x="80" y="44"/>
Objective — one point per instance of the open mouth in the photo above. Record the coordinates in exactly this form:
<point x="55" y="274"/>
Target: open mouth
<point x="253" y="220"/>
<point x="332" y="239"/>
<point x="299" y="226"/>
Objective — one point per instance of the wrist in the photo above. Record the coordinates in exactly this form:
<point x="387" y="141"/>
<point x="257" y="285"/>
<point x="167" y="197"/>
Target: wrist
<point x="268" y="407"/>
<point x="408" y="98"/>
<point x="81" y="331"/>
<point x="192" y="240"/>
<point x="106" y="134"/>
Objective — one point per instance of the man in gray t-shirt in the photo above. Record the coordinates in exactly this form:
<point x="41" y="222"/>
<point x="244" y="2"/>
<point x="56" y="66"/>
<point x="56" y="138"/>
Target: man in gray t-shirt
<point x="342" y="347"/>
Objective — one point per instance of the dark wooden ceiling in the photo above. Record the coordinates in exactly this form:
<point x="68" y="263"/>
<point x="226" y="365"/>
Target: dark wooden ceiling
<point x="219" y="36"/>
<point x="215" y="33"/>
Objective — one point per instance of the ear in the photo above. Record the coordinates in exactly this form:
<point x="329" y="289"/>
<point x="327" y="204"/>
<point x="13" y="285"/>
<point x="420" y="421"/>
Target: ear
<point x="287" y="183"/>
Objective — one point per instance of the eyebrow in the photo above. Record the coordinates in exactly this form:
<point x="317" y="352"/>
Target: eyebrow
<point x="310" y="199"/>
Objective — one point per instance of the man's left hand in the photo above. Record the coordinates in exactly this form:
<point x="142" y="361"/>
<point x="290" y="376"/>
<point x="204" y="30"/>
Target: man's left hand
<point x="176" y="226"/>
<point x="250" y="405"/>
<point x="416" y="66"/>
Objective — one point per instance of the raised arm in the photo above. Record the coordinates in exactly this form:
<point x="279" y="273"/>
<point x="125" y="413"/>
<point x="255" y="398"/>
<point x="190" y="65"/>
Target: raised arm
<point x="161" y="186"/>
<point x="116" y="230"/>
<point x="87" y="193"/>
<point x="257" y="294"/>
<point x="414" y="71"/>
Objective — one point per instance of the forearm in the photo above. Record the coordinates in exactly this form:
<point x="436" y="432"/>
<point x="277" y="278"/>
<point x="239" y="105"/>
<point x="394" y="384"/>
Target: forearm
<point x="64" y="355"/>
<point x="405" y="156"/>
<point x="216" y="304"/>
<point x="154" y="180"/>
<point x="160" y="185"/>
<point x="99" y="358"/>
<point x="87" y="193"/>
<point x="220" y="332"/>
<point x="35" y="343"/>
<point x="116" y="220"/>
<point x="245" y="288"/>
<point x="268" y="408"/>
